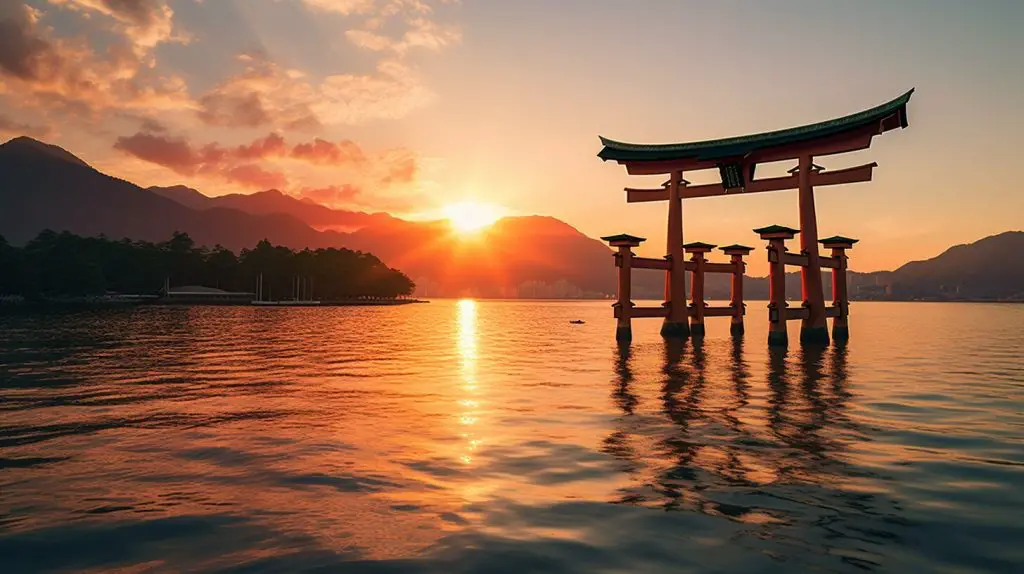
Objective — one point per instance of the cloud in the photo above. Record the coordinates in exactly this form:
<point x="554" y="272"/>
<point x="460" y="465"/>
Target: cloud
<point x="145" y="22"/>
<point x="255" y="177"/>
<point x="174" y="154"/>
<point x="270" y="146"/>
<point x="422" y="33"/>
<point x="228" y="164"/>
<point x="322" y="151"/>
<point x="68" y="75"/>
<point x="393" y="92"/>
<point x="402" y="167"/>
<point x="240" y="164"/>
<point x="23" y="53"/>
<point x="264" y="94"/>
<point x="10" y="126"/>
<point x="415" y="28"/>
<point x="365" y="7"/>
<point x="152" y="125"/>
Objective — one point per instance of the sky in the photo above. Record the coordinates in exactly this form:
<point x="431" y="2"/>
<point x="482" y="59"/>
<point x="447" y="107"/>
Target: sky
<point x="407" y="106"/>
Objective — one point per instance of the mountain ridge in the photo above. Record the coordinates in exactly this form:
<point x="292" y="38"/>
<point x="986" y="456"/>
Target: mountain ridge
<point x="269" y="201"/>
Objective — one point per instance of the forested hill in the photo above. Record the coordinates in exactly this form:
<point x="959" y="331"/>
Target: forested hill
<point x="63" y="264"/>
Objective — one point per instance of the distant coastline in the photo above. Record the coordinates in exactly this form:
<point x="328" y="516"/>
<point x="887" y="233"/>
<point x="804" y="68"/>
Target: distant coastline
<point x="103" y="302"/>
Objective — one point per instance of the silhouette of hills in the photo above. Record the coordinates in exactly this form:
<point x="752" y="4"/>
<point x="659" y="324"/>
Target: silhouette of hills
<point x="46" y="187"/>
<point x="530" y="256"/>
<point x="273" y="201"/>
<point x="27" y="148"/>
<point x="990" y="268"/>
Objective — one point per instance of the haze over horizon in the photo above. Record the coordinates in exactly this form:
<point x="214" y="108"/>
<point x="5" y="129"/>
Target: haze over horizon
<point x="409" y="106"/>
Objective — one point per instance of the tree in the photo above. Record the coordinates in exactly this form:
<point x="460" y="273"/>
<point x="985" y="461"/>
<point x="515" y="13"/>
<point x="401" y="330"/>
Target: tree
<point x="63" y="264"/>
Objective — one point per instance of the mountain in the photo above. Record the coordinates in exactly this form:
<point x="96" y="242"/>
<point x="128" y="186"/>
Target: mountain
<point x="532" y="256"/>
<point x="190" y="198"/>
<point x="46" y="187"/>
<point x="273" y="201"/>
<point x="990" y="268"/>
<point x="29" y="149"/>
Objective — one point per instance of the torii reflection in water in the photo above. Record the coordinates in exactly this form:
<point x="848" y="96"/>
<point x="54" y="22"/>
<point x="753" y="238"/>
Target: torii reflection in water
<point x="776" y="454"/>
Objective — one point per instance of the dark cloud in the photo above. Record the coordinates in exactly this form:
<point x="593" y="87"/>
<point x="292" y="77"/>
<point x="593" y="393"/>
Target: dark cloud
<point x="23" y="53"/>
<point x="180" y="156"/>
<point x="152" y="126"/>
<point x="174" y="154"/>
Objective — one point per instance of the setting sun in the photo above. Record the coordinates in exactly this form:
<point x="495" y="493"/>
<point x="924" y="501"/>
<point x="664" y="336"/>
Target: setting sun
<point x="468" y="216"/>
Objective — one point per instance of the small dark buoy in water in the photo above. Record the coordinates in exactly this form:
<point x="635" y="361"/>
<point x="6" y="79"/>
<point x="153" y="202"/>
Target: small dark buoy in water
<point x="577" y="321"/>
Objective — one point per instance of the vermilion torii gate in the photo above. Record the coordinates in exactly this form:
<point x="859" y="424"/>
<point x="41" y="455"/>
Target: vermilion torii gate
<point x="736" y="159"/>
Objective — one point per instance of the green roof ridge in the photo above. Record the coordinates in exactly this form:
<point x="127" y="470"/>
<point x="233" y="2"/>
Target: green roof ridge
<point x="776" y="229"/>
<point x="740" y="145"/>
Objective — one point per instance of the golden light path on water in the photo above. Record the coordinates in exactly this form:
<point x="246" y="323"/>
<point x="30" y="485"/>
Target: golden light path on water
<point x="468" y="354"/>
<point x="497" y="436"/>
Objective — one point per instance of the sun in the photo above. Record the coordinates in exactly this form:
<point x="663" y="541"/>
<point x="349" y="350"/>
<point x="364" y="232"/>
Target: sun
<point x="470" y="216"/>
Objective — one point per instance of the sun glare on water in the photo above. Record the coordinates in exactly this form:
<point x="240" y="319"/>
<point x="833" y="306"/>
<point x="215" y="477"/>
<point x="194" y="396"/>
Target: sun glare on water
<point x="469" y="216"/>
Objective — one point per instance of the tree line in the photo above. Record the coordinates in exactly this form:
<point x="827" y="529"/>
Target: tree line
<point x="63" y="264"/>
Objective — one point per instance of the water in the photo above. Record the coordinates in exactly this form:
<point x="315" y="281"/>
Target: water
<point x="497" y="437"/>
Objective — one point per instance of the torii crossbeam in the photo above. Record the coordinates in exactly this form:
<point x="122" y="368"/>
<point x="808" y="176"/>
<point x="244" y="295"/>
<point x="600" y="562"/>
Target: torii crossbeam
<point x="736" y="159"/>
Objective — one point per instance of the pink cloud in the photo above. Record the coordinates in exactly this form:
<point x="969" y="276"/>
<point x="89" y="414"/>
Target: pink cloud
<point x="174" y="154"/>
<point x="254" y="177"/>
<point x="237" y="164"/>
<point x="323" y="151"/>
<point x="181" y="157"/>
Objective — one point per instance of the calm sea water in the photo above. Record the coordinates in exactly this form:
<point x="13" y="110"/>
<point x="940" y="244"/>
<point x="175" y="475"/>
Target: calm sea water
<point x="497" y="437"/>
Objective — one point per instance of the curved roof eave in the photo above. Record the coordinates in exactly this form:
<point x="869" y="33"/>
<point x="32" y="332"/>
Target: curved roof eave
<point x="741" y="145"/>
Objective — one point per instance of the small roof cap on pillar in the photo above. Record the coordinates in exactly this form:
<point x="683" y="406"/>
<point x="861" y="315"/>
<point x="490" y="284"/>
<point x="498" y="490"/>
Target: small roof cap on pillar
<point x="624" y="240"/>
<point x="698" y="247"/>
<point x="736" y="249"/>
<point x="776" y="232"/>
<point x="837" y="242"/>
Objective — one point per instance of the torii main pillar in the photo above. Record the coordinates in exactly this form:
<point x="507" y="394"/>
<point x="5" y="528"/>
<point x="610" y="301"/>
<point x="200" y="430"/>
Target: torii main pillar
<point x="676" y="323"/>
<point x="813" y="330"/>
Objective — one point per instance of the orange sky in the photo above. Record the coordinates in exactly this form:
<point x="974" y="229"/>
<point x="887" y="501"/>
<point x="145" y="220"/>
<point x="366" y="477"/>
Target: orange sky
<point x="410" y="105"/>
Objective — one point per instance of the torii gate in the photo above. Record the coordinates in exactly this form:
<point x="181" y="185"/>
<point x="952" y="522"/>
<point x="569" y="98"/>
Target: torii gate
<point x="736" y="159"/>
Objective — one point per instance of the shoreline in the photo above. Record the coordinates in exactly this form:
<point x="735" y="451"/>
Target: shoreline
<point x="112" y="303"/>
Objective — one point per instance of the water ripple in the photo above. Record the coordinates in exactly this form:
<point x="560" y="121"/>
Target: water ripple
<point x="498" y="437"/>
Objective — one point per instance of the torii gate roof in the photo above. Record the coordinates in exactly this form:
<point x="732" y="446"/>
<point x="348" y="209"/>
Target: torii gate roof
<point x="889" y="115"/>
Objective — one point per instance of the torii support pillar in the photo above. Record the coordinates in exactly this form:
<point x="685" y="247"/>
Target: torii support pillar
<point x="624" y="262"/>
<point x="813" y="329"/>
<point x="840" y="299"/>
<point x="776" y="235"/>
<point x="697" y="251"/>
<point x="737" y="252"/>
<point x="675" y="325"/>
